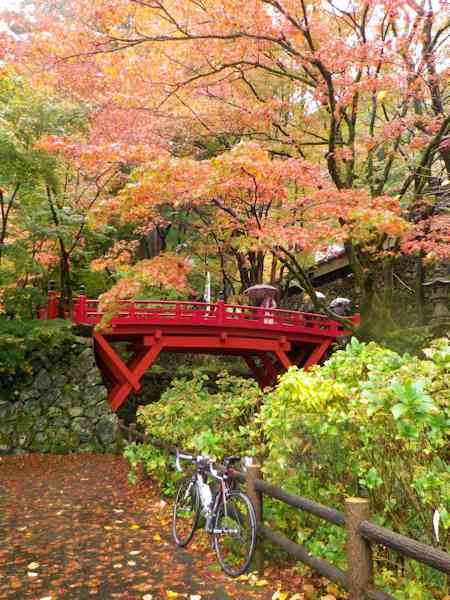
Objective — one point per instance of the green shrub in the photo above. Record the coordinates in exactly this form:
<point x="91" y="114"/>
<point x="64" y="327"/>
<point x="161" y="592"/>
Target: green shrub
<point x="192" y="418"/>
<point x="22" y="303"/>
<point x="27" y="345"/>
<point x="368" y="422"/>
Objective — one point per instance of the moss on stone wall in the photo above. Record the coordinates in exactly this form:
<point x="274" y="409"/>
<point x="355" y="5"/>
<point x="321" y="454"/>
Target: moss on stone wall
<point x="55" y="401"/>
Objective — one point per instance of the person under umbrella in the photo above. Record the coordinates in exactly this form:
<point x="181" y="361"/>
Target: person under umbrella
<point x="340" y="306"/>
<point x="264" y="294"/>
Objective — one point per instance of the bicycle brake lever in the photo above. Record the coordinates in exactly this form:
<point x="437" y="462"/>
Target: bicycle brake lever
<point x="177" y="464"/>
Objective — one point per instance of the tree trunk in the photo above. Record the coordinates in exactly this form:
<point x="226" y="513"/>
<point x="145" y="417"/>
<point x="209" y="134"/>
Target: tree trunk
<point x="388" y="291"/>
<point x="419" y="294"/>
<point x="65" y="282"/>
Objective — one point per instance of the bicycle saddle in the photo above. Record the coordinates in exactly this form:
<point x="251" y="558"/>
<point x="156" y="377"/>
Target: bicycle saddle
<point x="230" y="460"/>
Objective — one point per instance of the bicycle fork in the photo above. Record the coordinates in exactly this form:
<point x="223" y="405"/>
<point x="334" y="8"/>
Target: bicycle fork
<point x="216" y="505"/>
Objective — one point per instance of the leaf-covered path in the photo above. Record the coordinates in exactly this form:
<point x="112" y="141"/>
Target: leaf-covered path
<point x="72" y="528"/>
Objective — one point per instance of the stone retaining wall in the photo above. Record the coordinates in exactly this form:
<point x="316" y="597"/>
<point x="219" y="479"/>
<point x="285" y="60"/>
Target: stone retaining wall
<point x="62" y="409"/>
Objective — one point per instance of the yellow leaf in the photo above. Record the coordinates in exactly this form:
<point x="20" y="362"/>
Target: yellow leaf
<point x="157" y="537"/>
<point x="107" y="527"/>
<point x="135" y="526"/>
<point x="171" y="594"/>
<point x="280" y="595"/>
<point x="261" y="582"/>
<point x="381" y="95"/>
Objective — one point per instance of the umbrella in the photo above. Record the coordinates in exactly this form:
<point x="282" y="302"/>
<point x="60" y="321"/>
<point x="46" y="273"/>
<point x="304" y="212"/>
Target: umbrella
<point x="260" y="290"/>
<point x="339" y="302"/>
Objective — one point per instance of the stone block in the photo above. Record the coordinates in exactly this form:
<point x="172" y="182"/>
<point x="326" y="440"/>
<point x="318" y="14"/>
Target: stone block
<point x="29" y="393"/>
<point x="32" y="408"/>
<point x="54" y="412"/>
<point x="42" y="381"/>
<point x="59" y="380"/>
<point x="107" y="429"/>
<point x="76" y="411"/>
<point x="41" y="424"/>
<point x="82" y="427"/>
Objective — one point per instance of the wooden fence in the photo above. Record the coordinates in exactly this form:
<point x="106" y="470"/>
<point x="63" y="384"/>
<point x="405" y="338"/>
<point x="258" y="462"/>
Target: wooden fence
<point x="361" y="534"/>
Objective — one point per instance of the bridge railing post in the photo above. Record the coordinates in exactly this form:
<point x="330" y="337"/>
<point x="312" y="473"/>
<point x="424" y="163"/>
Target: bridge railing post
<point x="80" y="307"/>
<point x="220" y="311"/>
<point x="52" y="301"/>
<point x="177" y="310"/>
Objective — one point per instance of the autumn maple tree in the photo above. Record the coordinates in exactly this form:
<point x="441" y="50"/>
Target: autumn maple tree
<point x="340" y="109"/>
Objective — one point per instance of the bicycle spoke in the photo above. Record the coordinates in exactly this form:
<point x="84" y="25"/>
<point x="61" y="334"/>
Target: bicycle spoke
<point x="235" y="534"/>
<point x="185" y="513"/>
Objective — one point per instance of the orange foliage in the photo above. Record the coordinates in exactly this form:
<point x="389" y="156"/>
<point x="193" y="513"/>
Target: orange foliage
<point x="167" y="271"/>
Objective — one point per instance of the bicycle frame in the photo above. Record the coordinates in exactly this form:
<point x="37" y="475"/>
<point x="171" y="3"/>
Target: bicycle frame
<point x="197" y="480"/>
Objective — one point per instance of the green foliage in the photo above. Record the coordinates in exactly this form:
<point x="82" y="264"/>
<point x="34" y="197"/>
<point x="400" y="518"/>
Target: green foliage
<point x="368" y="422"/>
<point x="192" y="418"/>
<point x="26" y="345"/>
<point x="22" y="303"/>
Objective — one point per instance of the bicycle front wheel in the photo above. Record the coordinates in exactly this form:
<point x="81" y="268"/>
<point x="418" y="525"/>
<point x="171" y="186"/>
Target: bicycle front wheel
<point x="186" y="512"/>
<point x="234" y="534"/>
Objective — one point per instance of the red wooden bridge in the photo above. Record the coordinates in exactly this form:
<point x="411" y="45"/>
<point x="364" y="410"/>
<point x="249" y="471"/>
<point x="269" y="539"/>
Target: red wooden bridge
<point x="269" y="340"/>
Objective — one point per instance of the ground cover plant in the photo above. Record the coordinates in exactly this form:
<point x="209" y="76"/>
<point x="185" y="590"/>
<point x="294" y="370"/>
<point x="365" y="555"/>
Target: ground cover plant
<point x="369" y="422"/>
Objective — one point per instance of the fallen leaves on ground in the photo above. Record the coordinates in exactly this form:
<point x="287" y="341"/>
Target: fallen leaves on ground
<point x="62" y="539"/>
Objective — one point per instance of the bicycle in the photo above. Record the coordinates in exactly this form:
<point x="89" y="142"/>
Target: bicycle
<point x="229" y="514"/>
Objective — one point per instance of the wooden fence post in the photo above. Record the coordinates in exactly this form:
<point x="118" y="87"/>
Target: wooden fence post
<point x="359" y="554"/>
<point x="253" y="471"/>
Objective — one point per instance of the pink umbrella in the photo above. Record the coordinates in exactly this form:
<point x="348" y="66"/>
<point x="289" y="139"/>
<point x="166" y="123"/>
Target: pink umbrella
<point x="261" y="290"/>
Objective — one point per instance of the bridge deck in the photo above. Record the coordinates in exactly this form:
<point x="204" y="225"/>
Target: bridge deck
<point x="269" y="340"/>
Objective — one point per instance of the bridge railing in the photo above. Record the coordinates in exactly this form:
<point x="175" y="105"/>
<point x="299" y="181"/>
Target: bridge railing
<point x="181" y="312"/>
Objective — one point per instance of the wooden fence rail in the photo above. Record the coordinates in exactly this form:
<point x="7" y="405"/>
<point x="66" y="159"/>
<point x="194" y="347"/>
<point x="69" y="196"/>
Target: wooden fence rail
<point x="361" y="534"/>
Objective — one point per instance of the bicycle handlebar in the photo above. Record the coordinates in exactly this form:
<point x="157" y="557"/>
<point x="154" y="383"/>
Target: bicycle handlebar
<point x="196" y="459"/>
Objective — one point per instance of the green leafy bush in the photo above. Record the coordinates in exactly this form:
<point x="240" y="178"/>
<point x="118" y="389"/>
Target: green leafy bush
<point x="192" y="418"/>
<point x="368" y="422"/>
<point x="25" y="346"/>
<point x="22" y="303"/>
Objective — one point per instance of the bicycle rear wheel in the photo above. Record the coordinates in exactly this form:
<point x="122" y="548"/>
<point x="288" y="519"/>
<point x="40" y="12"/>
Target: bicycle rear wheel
<point x="186" y="512"/>
<point x="234" y="534"/>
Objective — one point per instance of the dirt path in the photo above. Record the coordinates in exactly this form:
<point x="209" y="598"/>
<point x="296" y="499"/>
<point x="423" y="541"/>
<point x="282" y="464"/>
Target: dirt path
<point x="72" y="528"/>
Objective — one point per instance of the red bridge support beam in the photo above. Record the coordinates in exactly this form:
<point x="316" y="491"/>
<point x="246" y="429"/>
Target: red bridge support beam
<point x="124" y="377"/>
<point x="317" y="353"/>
